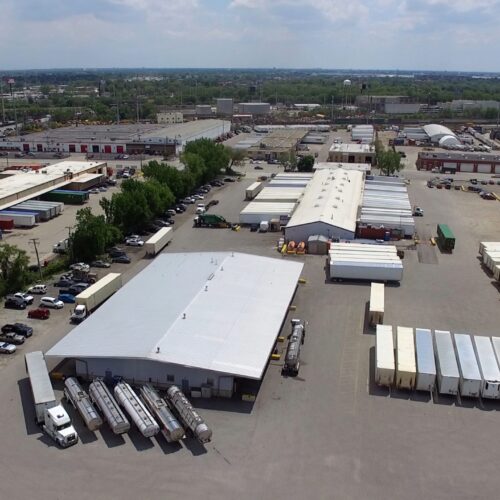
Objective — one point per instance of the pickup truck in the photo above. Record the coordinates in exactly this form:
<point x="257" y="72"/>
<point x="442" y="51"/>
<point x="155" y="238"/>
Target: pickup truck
<point x="12" y="338"/>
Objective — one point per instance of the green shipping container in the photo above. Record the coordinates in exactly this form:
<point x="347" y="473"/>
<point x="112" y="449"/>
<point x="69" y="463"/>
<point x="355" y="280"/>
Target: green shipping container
<point x="66" y="198"/>
<point x="445" y="237"/>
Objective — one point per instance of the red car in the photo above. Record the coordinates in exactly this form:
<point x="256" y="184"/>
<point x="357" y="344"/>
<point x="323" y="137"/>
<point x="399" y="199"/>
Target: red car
<point x="39" y="313"/>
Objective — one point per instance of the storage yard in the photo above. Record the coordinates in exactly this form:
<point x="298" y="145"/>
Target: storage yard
<point x="357" y="441"/>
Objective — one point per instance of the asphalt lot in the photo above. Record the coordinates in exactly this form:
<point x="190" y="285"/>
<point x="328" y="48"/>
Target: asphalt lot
<point x="329" y="433"/>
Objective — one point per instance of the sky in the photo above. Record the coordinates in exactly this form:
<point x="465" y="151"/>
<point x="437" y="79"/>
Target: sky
<point x="454" y="35"/>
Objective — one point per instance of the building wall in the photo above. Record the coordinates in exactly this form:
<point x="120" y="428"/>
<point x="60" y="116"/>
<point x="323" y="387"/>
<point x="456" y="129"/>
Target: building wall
<point x="302" y="232"/>
<point x="141" y="371"/>
<point x="487" y="166"/>
<point x="169" y="118"/>
<point x="351" y="157"/>
<point x="254" y="108"/>
<point x="224" y="106"/>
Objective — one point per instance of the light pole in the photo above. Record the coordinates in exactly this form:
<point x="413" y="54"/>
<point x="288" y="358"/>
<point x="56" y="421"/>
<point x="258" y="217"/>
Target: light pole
<point x="35" y="241"/>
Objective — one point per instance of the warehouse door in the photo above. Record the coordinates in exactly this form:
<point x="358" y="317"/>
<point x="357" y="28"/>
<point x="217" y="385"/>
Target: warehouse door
<point x="350" y="159"/>
<point x="185" y="385"/>
<point x="26" y="147"/>
<point x="72" y="148"/>
<point x="83" y="148"/>
<point x="95" y="149"/>
<point x="466" y="167"/>
<point x="107" y="149"/>
<point x="119" y="149"/>
<point x="484" y="168"/>
<point x="497" y="169"/>
<point x="39" y="147"/>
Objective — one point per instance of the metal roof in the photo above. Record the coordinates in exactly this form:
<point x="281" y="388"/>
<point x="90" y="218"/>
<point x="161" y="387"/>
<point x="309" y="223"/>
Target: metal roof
<point x="263" y="207"/>
<point x="332" y="197"/>
<point x="435" y="131"/>
<point x="218" y="311"/>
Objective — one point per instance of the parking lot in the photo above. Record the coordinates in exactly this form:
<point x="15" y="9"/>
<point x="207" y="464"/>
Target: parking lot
<point x="330" y="432"/>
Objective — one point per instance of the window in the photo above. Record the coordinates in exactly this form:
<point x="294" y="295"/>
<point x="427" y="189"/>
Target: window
<point x="210" y="381"/>
<point x="170" y="378"/>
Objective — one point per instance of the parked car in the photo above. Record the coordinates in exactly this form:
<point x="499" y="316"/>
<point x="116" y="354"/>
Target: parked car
<point x="12" y="302"/>
<point x="170" y="222"/>
<point x="171" y="211"/>
<point x="51" y="302"/>
<point x="94" y="191"/>
<point x="162" y="222"/>
<point x="484" y="183"/>
<point x="103" y="189"/>
<point x="19" y="328"/>
<point x="133" y="242"/>
<point x="80" y="266"/>
<point x="28" y="299"/>
<point x="6" y="348"/>
<point x="76" y="289"/>
<point x="189" y="201"/>
<point x="100" y="263"/>
<point x="67" y="298"/>
<point x="12" y="337"/>
<point x="39" y="313"/>
<point x="254" y="228"/>
<point x="38" y="289"/>
<point x="64" y="282"/>
<point x="122" y="259"/>
<point x="258" y="167"/>
<point x="116" y="252"/>
<point x="198" y="197"/>
<point x="111" y="182"/>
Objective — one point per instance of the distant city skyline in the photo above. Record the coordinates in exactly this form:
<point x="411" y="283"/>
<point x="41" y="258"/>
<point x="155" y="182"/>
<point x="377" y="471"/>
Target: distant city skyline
<point x="432" y="35"/>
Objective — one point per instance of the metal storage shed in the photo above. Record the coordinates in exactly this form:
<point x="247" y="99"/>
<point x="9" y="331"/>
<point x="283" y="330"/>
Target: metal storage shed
<point x="258" y="211"/>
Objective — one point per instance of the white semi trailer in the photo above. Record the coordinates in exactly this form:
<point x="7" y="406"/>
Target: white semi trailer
<point x="131" y="403"/>
<point x="490" y="373"/>
<point x="448" y="376"/>
<point x="384" y="356"/>
<point x="158" y="241"/>
<point x="49" y="414"/>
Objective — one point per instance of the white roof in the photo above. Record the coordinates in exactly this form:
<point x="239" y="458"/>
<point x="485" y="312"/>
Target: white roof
<point x="218" y="311"/>
<point x="262" y="207"/>
<point x="435" y="131"/>
<point x="348" y="147"/>
<point x="362" y="167"/>
<point x="332" y="197"/>
<point x="280" y="194"/>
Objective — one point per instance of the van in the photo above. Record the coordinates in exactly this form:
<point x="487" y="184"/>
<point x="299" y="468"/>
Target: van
<point x="38" y="289"/>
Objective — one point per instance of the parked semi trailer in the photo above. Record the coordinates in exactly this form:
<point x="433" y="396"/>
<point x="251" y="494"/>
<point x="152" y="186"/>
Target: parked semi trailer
<point x="292" y="356"/>
<point x="445" y="238"/>
<point x="488" y="366"/>
<point x="101" y="396"/>
<point x="131" y="403"/>
<point x="376" y="312"/>
<point x="169" y="425"/>
<point x="158" y="241"/>
<point x="253" y="190"/>
<point x="384" y="356"/>
<point x="448" y="376"/>
<point x="406" y="369"/>
<point x="189" y="416"/>
<point x="470" y="377"/>
<point x="80" y="400"/>
<point x="21" y="219"/>
<point x="49" y="414"/>
<point x="426" y="364"/>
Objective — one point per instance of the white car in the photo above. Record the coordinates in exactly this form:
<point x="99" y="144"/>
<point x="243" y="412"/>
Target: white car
<point x="134" y="243"/>
<point x="94" y="191"/>
<point x="51" y="302"/>
<point x="25" y="296"/>
<point x="198" y="197"/>
<point x="132" y="237"/>
<point x="38" y="289"/>
<point x="6" y="348"/>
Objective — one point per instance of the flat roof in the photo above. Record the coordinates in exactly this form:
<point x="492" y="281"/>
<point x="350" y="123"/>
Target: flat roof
<point x="463" y="157"/>
<point x="280" y="138"/>
<point x="331" y="197"/>
<point x="218" y="311"/>
<point x="349" y="147"/>
<point x="361" y="167"/>
<point x="264" y="207"/>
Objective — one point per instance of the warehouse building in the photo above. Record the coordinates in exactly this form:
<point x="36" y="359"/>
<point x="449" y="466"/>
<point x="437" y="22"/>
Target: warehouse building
<point x="360" y="167"/>
<point x="254" y="108"/>
<point x="17" y="186"/>
<point x="483" y="163"/>
<point x="432" y="133"/>
<point x="224" y="106"/>
<point x="169" y="117"/>
<point x="280" y="194"/>
<point x="259" y="211"/>
<point x="111" y="139"/>
<point x="363" y="134"/>
<point x="225" y="311"/>
<point x="329" y="206"/>
<point x="352" y="153"/>
<point x="281" y="141"/>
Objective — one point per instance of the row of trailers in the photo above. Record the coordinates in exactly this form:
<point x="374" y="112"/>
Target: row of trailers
<point x="454" y="364"/>
<point x="29" y="213"/>
<point x="150" y="412"/>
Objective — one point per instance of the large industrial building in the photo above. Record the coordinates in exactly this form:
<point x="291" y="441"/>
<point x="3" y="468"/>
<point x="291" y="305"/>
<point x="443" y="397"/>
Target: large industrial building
<point x="360" y="167"/>
<point x="352" y="153"/>
<point x="432" y="133"/>
<point x="282" y="141"/>
<point x="329" y="206"/>
<point x="132" y="139"/>
<point x="197" y="320"/>
<point x="484" y="163"/>
<point x="254" y="108"/>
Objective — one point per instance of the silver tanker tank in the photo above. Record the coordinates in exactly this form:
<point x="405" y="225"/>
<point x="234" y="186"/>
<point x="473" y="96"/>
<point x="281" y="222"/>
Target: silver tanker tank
<point x="292" y="356"/>
<point x="109" y="407"/>
<point x="189" y="415"/>
<point x="80" y="400"/>
<point x="129" y="400"/>
<point x="170" y="427"/>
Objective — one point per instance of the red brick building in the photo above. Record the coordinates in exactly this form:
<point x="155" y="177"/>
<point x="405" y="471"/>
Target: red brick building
<point x="483" y="163"/>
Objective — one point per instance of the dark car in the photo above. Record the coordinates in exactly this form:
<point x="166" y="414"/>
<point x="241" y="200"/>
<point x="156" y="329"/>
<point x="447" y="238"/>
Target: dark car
<point x="100" y="263"/>
<point x="13" y="302"/>
<point x="229" y="179"/>
<point x="64" y="282"/>
<point x="19" y="328"/>
<point x="39" y="313"/>
<point x="254" y="228"/>
<point x="116" y="252"/>
<point x="122" y="259"/>
<point x="67" y="298"/>
<point x="258" y="167"/>
<point x="75" y="289"/>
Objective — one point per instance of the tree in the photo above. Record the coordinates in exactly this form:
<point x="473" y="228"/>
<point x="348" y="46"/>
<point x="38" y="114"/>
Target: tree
<point x="236" y="158"/>
<point x="389" y="162"/>
<point x="215" y="156"/>
<point x="92" y="236"/>
<point x="13" y="269"/>
<point x="305" y="164"/>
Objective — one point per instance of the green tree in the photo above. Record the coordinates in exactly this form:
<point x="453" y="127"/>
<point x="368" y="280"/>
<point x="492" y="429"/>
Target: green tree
<point x="13" y="269"/>
<point x="305" y="163"/>
<point x="236" y="158"/>
<point x="389" y="162"/>
<point x="92" y="236"/>
<point x="215" y="156"/>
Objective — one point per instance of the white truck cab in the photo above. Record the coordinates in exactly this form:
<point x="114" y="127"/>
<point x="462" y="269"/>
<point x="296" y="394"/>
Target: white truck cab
<point x="57" y="425"/>
<point x="79" y="314"/>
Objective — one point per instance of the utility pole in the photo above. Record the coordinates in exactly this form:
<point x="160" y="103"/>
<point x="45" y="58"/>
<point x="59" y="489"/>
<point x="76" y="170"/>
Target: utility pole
<point x="35" y="241"/>
<point x="3" y="102"/>
<point x="332" y="111"/>
<point x="70" y="246"/>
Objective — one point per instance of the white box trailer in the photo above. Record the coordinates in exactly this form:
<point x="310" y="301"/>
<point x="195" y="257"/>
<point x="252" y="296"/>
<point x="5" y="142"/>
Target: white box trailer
<point x="101" y="290"/>
<point x="485" y="245"/>
<point x="426" y="364"/>
<point x="377" y="302"/>
<point x="373" y="271"/>
<point x="470" y="377"/>
<point x="448" y="376"/>
<point x="406" y="368"/>
<point x="158" y="241"/>
<point x="384" y="356"/>
<point x="495" y="341"/>
<point x="488" y="366"/>
<point x="20" y="219"/>
<point x="253" y="190"/>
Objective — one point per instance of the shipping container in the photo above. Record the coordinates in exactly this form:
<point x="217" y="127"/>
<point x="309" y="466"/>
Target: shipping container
<point x="67" y="197"/>
<point x="40" y="205"/>
<point x="6" y="224"/>
<point x="253" y="190"/>
<point x="445" y="237"/>
<point x="488" y="245"/>
<point x="488" y="366"/>
<point x="158" y="241"/>
<point x="406" y="370"/>
<point x="44" y="214"/>
<point x="470" y="377"/>
<point x="384" y="356"/>
<point x="426" y="365"/>
<point x="373" y="271"/>
<point x="448" y="376"/>
<point x="97" y="293"/>
<point x="496" y="347"/>
<point x="20" y="219"/>
<point x="377" y="301"/>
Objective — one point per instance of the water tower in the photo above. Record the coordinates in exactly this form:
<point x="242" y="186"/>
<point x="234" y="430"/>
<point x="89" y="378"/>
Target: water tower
<point x="347" y="93"/>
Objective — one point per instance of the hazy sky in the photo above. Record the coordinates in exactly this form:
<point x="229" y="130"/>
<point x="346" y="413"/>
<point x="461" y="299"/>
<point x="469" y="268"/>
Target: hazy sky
<point x="397" y="34"/>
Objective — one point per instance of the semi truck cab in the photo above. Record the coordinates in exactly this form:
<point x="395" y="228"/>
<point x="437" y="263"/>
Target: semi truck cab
<point x="79" y="314"/>
<point x="57" y="425"/>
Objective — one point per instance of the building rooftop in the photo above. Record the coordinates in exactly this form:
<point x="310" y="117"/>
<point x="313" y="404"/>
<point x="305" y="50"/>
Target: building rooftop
<point x="362" y="167"/>
<point x="456" y="156"/>
<point x="218" y="311"/>
<point x="281" y="138"/>
<point x="332" y="197"/>
<point x="349" y="147"/>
